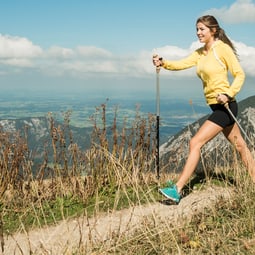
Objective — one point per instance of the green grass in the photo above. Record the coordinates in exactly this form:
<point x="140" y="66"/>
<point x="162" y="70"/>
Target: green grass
<point x="48" y="212"/>
<point x="119" y="174"/>
<point x="226" y="228"/>
<point x="41" y="213"/>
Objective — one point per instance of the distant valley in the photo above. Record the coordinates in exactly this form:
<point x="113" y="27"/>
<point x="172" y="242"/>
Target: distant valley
<point x="174" y="115"/>
<point x="178" y="122"/>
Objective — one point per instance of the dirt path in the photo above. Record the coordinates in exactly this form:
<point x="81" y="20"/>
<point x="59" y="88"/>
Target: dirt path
<point x="61" y="238"/>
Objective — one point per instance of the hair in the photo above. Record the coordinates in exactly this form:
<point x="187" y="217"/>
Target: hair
<point x="219" y="33"/>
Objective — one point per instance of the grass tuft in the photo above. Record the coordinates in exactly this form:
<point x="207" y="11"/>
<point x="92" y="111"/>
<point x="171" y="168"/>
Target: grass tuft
<point x="117" y="172"/>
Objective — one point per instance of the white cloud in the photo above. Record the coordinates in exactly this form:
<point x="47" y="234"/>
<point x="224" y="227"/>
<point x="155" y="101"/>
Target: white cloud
<point x="17" y="62"/>
<point x="59" y="52"/>
<point x="89" y="61"/>
<point x="242" y="11"/>
<point x="247" y="57"/>
<point x="18" y="51"/>
<point x="82" y="61"/>
<point x="173" y="51"/>
<point x="92" y="51"/>
<point x="18" y="47"/>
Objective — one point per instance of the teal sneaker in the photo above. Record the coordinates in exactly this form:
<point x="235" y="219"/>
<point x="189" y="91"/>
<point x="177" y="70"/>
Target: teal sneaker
<point x="171" y="193"/>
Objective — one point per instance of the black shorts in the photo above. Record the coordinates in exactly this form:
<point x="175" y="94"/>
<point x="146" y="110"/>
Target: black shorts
<point x="221" y="116"/>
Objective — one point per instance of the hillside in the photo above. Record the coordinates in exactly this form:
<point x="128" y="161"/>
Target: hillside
<point x="174" y="152"/>
<point x="39" y="130"/>
<point x="118" y="226"/>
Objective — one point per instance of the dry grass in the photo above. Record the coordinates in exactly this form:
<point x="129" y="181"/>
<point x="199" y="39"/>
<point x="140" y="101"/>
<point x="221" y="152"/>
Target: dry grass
<point x="117" y="172"/>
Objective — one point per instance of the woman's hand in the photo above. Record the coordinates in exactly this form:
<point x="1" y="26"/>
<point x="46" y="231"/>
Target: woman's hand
<point x="222" y="98"/>
<point x="157" y="61"/>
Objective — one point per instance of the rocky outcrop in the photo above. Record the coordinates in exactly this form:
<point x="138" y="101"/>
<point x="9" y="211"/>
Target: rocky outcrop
<point x="218" y="152"/>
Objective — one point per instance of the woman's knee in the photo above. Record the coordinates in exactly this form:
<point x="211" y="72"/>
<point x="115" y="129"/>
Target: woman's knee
<point x="195" y="143"/>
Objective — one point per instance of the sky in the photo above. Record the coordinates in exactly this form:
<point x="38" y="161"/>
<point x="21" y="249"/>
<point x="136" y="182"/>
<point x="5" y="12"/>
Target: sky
<point x="106" y="47"/>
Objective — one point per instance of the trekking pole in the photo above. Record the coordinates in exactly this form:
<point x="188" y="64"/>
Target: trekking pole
<point x="237" y="122"/>
<point x="157" y="119"/>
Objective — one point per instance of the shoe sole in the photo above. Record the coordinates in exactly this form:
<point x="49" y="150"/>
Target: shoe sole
<point x="164" y="194"/>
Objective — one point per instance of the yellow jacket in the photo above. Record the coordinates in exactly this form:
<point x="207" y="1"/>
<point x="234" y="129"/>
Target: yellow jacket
<point x="212" y="69"/>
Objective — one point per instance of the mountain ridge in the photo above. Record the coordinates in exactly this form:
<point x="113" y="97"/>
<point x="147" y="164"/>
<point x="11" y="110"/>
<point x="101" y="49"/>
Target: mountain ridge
<point x="38" y="132"/>
<point x="174" y="152"/>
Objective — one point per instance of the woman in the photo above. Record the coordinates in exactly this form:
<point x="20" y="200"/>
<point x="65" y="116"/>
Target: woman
<point x="213" y="61"/>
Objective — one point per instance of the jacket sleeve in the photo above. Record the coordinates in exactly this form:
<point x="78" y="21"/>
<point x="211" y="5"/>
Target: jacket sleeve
<point x="182" y="64"/>
<point x="235" y="69"/>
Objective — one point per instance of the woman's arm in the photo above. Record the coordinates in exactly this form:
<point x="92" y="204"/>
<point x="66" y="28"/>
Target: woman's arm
<point x="235" y="69"/>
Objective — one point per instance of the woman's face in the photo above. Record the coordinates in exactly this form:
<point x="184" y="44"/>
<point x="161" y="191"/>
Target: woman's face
<point x="204" y="34"/>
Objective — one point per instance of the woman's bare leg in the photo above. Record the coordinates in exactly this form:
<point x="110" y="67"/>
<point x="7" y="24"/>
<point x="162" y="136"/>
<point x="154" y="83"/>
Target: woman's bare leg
<point x="233" y="134"/>
<point x="206" y="132"/>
